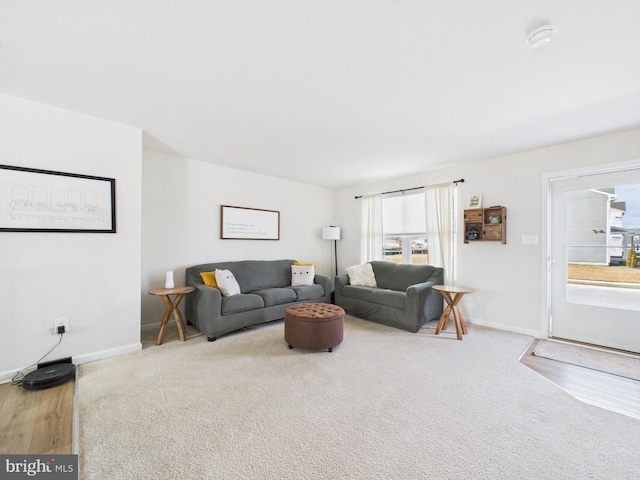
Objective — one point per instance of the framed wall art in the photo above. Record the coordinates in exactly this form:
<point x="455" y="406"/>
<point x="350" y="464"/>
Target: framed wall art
<point x="241" y="223"/>
<point x="33" y="200"/>
<point x="475" y="201"/>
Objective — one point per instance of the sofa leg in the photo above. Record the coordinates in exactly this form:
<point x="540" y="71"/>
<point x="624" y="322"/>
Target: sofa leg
<point x="211" y="339"/>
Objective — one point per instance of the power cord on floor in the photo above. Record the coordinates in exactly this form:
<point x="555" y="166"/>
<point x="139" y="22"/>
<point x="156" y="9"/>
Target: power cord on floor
<point x="17" y="378"/>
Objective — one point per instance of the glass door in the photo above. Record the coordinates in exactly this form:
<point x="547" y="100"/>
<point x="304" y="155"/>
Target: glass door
<point x="593" y="270"/>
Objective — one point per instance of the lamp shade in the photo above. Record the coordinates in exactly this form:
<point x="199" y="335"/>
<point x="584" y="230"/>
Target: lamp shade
<point x="331" y="233"/>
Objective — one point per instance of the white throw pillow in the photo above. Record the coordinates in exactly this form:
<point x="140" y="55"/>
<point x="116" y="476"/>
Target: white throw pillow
<point x="362" y="275"/>
<point x="227" y="283"/>
<point x="302" y="275"/>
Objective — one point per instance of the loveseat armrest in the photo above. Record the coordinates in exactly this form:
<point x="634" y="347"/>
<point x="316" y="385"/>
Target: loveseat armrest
<point x="420" y="290"/>
<point x="426" y="300"/>
<point x="342" y="280"/>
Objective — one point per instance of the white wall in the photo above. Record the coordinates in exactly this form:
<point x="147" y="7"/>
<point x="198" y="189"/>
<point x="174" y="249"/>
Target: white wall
<point x="509" y="280"/>
<point x="92" y="278"/>
<point x="181" y="220"/>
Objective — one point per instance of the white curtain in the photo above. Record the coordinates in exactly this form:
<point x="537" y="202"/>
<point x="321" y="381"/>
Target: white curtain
<point x="440" y="208"/>
<point x="372" y="238"/>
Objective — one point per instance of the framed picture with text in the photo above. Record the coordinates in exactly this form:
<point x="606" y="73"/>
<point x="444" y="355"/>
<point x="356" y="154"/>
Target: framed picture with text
<point x="241" y="223"/>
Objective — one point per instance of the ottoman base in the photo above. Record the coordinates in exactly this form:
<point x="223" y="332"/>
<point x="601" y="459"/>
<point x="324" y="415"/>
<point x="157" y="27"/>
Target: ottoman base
<point x="313" y="326"/>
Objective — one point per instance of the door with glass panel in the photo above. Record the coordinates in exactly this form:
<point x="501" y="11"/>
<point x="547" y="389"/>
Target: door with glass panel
<point x="594" y="225"/>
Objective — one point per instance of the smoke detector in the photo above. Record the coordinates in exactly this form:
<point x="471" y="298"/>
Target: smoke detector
<point x="541" y="36"/>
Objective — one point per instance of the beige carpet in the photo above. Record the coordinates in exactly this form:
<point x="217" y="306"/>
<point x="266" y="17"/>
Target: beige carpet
<point x="609" y="362"/>
<point x="386" y="404"/>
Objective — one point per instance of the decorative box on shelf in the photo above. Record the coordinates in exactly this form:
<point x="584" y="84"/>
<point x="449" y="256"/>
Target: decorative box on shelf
<point x="485" y="224"/>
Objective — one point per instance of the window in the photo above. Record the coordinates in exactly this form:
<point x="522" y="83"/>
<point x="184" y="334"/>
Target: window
<point x="602" y="227"/>
<point x="404" y="226"/>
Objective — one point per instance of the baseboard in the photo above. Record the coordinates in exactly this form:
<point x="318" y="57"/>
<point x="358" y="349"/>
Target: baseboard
<point x="155" y="326"/>
<point x="532" y="332"/>
<point x="7" y="375"/>
<point x="113" y="352"/>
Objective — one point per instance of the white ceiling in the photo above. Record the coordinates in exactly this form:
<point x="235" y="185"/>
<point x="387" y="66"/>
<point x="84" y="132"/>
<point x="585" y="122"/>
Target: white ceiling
<point x="331" y="92"/>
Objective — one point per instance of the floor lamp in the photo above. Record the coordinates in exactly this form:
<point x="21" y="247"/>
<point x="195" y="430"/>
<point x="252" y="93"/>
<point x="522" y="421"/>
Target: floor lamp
<point x="332" y="233"/>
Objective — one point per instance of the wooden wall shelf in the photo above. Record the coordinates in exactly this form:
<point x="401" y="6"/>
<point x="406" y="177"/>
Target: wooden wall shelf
<point x="485" y="225"/>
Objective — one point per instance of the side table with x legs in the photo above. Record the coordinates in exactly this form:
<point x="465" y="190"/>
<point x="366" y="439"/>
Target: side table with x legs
<point x="452" y="295"/>
<point x="172" y="307"/>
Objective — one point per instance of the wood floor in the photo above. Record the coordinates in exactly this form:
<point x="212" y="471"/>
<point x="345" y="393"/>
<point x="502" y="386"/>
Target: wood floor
<point x="41" y="421"/>
<point x="612" y="392"/>
<point x="36" y="422"/>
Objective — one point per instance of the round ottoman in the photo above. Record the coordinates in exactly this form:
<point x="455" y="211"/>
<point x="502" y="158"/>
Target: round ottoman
<point x="313" y="326"/>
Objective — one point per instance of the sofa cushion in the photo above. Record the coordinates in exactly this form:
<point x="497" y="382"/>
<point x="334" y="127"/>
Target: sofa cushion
<point x="362" y="275"/>
<point x="241" y="303"/>
<point x="307" y="292"/>
<point x="227" y="283"/>
<point x="397" y="276"/>
<point x="276" y="296"/>
<point x="382" y="296"/>
<point x="302" y="275"/>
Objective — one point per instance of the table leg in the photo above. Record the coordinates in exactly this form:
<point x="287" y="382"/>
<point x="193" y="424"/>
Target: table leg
<point x="452" y="307"/>
<point x="178" y="316"/>
<point x="172" y="308"/>
<point x="456" y="317"/>
<point x="444" y="318"/>
<point x="165" y="319"/>
<point x="462" y="322"/>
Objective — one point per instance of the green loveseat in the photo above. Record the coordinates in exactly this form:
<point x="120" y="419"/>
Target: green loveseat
<point x="403" y="297"/>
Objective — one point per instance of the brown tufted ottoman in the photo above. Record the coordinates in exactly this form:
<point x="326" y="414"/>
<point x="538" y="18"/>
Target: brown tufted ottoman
<point x="313" y="326"/>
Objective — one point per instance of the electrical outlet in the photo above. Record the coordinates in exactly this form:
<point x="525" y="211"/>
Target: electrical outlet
<point x="61" y="322"/>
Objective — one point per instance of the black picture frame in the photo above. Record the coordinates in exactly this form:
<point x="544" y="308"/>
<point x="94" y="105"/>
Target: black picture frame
<point x="34" y="200"/>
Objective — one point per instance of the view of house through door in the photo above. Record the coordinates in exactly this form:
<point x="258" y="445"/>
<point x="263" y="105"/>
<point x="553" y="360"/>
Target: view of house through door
<point x="594" y="276"/>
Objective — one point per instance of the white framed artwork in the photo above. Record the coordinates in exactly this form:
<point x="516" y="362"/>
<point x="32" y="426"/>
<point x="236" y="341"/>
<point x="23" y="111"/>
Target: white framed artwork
<point x="475" y="201"/>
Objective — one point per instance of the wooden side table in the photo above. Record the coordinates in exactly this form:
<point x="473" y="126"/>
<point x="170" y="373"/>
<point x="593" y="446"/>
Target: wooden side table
<point x="452" y="296"/>
<point x="172" y="307"/>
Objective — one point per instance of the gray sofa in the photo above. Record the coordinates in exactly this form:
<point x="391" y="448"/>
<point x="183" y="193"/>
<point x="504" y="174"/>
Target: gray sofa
<point x="403" y="297"/>
<point x="266" y="292"/>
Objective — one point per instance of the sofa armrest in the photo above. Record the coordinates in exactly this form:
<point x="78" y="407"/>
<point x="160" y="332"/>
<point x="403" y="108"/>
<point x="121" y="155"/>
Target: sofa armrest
<point x="204" y="304"/>
<point x="324" y="281"/>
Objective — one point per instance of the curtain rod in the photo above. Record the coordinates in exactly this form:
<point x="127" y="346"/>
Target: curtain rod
<point x="409" y="189"/>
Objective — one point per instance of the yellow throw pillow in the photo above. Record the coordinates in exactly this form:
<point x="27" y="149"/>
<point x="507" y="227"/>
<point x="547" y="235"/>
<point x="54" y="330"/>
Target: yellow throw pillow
<point x="298" y="264"/>
<point x="209" y="279"/>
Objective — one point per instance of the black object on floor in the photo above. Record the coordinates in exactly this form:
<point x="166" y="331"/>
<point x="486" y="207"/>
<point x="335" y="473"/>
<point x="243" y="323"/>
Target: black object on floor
<point x="49" y="376"/>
